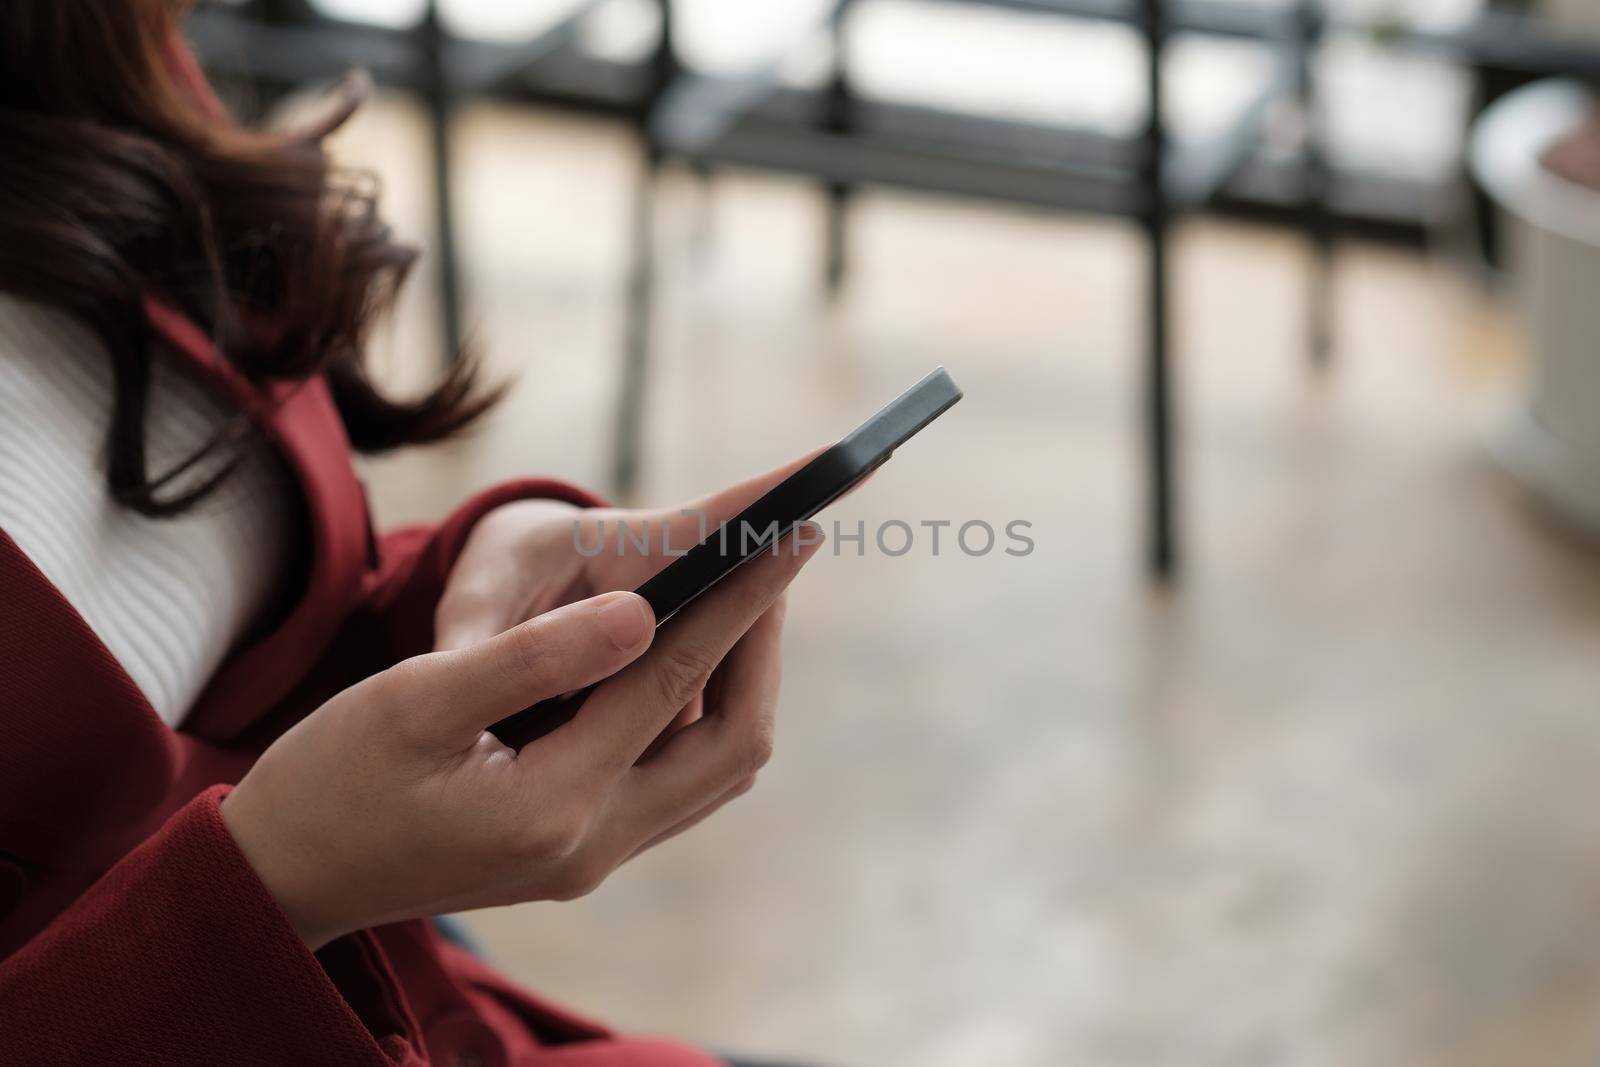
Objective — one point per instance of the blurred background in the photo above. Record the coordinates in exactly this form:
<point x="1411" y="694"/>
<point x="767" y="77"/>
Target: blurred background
<point x="1276" y="322"/>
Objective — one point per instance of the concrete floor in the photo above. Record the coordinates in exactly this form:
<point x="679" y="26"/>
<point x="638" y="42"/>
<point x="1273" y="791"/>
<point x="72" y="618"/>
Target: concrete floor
<point x="1325" y="802"/>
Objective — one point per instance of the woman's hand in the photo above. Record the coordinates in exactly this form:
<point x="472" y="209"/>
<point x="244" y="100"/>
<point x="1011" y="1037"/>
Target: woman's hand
<point x="530" y="556"/>
<point x="524" y="558"/>
<point x="392" y="802"/>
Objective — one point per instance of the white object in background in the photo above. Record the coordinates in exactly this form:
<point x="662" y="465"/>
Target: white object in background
<point x="1553" y="443"/>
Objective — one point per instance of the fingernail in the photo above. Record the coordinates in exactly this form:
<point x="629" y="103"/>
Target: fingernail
<point x="624" y="621"/>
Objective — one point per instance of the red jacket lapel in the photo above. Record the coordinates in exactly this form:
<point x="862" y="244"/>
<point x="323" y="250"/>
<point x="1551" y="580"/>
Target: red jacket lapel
<point x="301" y="421"/>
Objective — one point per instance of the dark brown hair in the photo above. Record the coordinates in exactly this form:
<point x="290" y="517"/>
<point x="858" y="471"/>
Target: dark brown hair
<point x="121" y="177"/>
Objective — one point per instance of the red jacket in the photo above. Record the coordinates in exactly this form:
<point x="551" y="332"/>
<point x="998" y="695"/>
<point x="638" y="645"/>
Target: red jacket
<point x="132" y="930"/>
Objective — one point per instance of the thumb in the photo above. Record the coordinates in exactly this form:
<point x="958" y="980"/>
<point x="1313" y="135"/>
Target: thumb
<point x="457" y="693"/>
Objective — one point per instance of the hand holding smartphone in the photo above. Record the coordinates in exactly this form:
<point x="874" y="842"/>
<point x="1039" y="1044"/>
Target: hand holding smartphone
<point x="761" y="526"/>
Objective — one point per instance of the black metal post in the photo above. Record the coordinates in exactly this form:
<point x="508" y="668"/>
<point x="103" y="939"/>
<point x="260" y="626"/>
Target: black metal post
<point x="637" y="317"/>
<point x="638" y="310"/>
<point x="438" y="95"/>
<point x="1309" y="20"/>
<point x="268" y="92"/>
<point x="1163" y="548"/>
<point x="838" y="105"/>
<point x="702" y="227"/>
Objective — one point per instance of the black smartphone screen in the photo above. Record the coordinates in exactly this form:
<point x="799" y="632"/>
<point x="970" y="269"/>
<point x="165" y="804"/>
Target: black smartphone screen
<point x="761" y="525"/>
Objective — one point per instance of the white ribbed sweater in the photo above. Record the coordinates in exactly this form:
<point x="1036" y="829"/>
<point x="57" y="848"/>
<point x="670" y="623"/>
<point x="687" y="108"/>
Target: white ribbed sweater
<point x="168" y="597"/>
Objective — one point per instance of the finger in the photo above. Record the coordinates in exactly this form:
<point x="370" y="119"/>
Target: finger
<point x="457" y="694"/>
<point x="731" y="742"/>
<point x="724" y="504"/>
<point x="739" y="789"/>
<point x="667" y="533"/>
<point x="624" y="715"/>
<point x="691" y="713"/>
<point x="691" y="523"/>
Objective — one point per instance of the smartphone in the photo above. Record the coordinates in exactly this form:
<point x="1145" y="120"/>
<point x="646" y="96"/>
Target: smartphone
<point x="760" y="526"/>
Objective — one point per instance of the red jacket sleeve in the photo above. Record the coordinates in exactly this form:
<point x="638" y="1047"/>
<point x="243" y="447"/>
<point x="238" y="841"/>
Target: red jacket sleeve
<point x="415" y="561"/>
<point x="179" y="954"/>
